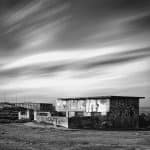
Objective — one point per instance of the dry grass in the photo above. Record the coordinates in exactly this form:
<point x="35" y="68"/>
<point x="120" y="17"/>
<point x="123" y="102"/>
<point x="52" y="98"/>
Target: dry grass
<point x="20" y="137"/>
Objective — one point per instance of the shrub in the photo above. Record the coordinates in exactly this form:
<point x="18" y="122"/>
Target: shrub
<point x="5" y="121"/>
<point x="144" y="120"/>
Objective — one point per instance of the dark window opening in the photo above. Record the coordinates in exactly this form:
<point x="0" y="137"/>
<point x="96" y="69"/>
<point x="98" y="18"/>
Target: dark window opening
<point x="96" y="114"/>
<point x="62" y="114"/>
<point x="79" y="114"/>
<point x="23" y="112"/>
<point x="43" y="114"/>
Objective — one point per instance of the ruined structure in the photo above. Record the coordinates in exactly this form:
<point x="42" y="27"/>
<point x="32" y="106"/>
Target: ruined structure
<point x="34" y="111"/>
<point x="35" y="106"/>
<point x="99" y="112"/>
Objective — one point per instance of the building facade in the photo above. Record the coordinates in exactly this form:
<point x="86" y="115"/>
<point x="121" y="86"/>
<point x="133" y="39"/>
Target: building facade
<point x="32" y="111"/>
<point x="100" y="112"/>
<point x="35" y="106"/>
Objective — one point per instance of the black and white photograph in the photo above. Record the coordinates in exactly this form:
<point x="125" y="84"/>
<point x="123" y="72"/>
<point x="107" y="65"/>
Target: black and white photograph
<point x="74" y="74"/>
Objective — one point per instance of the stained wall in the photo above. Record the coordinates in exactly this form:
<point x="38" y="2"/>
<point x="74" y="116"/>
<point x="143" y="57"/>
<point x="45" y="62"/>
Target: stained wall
<point x="124" y="112"/>
<point x="88" y="105"/>
<point x="116" y="112"/>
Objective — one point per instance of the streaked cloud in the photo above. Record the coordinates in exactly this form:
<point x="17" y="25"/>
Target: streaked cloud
<point x="55" y="48"/>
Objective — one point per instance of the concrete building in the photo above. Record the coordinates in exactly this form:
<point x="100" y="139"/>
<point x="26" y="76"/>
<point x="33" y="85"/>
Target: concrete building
<point x="32" y="111"/>
<point x="35" y="106"/>
<point x="99" y="112"/>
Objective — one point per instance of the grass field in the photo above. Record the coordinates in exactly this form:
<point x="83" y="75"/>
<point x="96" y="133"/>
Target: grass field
<point x="21" y="137"/>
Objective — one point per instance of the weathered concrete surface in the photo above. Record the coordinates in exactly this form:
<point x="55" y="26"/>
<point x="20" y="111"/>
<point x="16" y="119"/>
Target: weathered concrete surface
<point x="124" y="113"/>
<point x="53" y="120"/>
<point x="89" y="105"/>
<point x="115" y="112"/>
<point x="24" y="114"/>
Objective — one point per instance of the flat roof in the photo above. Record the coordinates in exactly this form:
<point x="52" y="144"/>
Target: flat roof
<point x="30" y="103"/>
<point x="100" y="97"/>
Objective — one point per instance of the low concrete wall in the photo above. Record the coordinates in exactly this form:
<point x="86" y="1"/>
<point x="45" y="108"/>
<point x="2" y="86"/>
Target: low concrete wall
<point x="41" y="116"/>
<point x="56" y="121"/>
<point x="59" y="121"/>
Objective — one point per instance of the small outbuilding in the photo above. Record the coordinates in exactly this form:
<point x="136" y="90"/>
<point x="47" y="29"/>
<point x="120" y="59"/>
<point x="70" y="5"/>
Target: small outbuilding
<point x="35" y="111"/>
<point x="121" y="112"/>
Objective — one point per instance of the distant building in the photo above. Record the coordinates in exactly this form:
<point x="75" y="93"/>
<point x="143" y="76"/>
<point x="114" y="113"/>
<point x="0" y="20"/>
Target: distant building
<point x="99" y="112"/>
<point x="36" y="106"/>
<point x="32" y="111"/>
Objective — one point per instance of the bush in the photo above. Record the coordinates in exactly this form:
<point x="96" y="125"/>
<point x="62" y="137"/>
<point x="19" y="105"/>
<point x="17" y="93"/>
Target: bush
<point x="5" y="121"/>
<point x="144" y="120"/>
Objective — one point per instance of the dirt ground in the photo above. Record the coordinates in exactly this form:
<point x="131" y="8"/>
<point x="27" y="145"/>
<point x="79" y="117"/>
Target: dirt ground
<point x="21" y="137"/>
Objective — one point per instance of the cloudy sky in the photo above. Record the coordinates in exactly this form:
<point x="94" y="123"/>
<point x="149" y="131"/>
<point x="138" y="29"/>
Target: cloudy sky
<point x="63" y="48"/>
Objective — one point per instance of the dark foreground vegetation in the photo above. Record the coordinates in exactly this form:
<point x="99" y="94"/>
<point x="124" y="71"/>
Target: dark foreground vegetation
<point x="21" y="137"/>
<point x="144" y="120"/>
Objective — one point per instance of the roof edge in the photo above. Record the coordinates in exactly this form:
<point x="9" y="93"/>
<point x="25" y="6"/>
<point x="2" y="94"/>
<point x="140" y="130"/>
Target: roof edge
<point x="98" y="97"/>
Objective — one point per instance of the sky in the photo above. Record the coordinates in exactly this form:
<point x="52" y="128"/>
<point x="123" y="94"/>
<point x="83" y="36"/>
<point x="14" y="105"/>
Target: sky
<point x="71" y="48"/>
